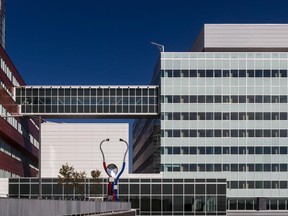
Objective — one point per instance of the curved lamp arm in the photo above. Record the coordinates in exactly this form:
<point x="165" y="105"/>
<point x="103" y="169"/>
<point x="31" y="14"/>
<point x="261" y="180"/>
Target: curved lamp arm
<point x="121" y="140"/>
<point x="104" y="162"/>
<point x="122" y="170"/>
<point x="124" y="158"/>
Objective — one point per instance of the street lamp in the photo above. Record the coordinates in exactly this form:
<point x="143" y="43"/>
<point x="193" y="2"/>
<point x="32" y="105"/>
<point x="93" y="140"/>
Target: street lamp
<point x="112" y="171"/>
<point x="160" y="46"/>
<point x="39" y="149"/>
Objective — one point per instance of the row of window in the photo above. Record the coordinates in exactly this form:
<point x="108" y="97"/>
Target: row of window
<point x="224" y="73"/>
<point x="257" y="184"/>
<point x="87" y="100"/>
<point x="12" y="152"/>
<point x="224" y="99"/>
<point x="224" y="167"/>
<point x="89" y="109"/>
<point x="224" y="133"/>
<point x="224" y="116"/>
<point x="87" y="92"/>
<point x="7" y="174"/>
<point x="18" y="126"/>
<point x="8" y="73"/>
<point x="7" y="149"/>
<point x="257" y="204"/>
<point x="219" y="150"/>
<point x="6" y="89"/>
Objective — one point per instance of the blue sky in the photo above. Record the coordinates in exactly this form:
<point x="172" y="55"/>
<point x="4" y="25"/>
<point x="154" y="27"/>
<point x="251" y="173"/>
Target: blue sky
<point x="97" y="42"/>
<point x="94" y="42"/>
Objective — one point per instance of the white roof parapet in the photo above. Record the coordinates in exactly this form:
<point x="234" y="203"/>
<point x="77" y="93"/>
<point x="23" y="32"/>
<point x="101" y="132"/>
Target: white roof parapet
<point x="242" y="37"/>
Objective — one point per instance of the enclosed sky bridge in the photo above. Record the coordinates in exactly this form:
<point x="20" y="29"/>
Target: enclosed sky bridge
<point x="88" y="101"/>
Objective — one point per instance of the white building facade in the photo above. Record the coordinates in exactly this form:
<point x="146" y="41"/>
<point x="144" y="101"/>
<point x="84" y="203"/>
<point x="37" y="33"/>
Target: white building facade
<point x="78" y="145"/>
<point x="224" y="113"/>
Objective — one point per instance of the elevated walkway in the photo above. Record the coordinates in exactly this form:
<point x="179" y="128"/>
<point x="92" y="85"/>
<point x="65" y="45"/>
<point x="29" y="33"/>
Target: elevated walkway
<point x="88" y="101"/>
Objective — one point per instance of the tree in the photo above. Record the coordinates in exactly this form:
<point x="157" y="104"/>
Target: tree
<point x="65" y="176"/>
<point x="96" y="174"/>
<point x="77" y="178"/>
<point x="68" y="175"/>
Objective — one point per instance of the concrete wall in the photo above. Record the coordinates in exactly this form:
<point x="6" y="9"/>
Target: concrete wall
<point x="78" y="145"/>
<point x="30" y="207"/>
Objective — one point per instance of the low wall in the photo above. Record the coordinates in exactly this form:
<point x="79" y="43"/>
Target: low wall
<point x="125" y="213"/>
<point x="257" y="213"/>
<point x="35" y="207"/>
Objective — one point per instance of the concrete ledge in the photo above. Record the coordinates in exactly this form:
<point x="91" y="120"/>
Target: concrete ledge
<point x="35" y="207"/>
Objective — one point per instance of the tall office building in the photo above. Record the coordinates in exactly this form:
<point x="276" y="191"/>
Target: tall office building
<point x="224" y="113"/>
<point x="2" y="22"/>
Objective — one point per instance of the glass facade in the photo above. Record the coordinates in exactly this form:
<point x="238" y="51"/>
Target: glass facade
<point x="73" y="101"/>
<point x="146" y="139"/>
<point x="147" y="196"/>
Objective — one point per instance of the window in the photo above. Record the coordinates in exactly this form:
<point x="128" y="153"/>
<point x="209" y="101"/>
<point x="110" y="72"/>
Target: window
<point x="234" y="73"/>
<point x="193" y="73"/>
<point x="218" y="73"/>
<point x="234" y="99"/>
<point x="217" y="99"/>
<point x="176" y="73"/>
<point x="201" y="73"/>
<point x="242" y="73"/>
<point x="226" y="73"/>
<point x="258" y="167"/>
<point x="258" y="73"/>
<point x="250" y="73"/>
<point x="275" y="73"/>
<point x="283" y="73"/>
<point x="209" y="73"/>
<point x="184" y="73"/>
<point x="201" y="99"/>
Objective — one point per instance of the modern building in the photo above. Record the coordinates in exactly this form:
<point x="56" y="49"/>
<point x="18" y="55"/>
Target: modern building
<point x="18" y="136"/>
<point x="2" y="22"/>
<point x="224" y="113"/>
<point x="78" y="145"/>
<point x="216" y="112"/>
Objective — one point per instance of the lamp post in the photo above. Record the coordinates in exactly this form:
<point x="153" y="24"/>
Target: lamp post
<point x="112" y="171"/>
<point x="39" y="149"/>
<point x="160" y="46"/>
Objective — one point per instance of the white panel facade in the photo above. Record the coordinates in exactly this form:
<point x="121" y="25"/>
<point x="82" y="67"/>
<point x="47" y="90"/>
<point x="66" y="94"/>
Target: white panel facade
<point x="78" y="145"/>
<point x="228" y="121"/>
<point x="245" y="36"/>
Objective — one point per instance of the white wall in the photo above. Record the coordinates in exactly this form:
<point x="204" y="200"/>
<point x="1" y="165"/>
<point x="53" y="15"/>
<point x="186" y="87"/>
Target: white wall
<point x="78" y="145"/>
<point x="246" y="35"/>
<point x="4" y="187"/>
